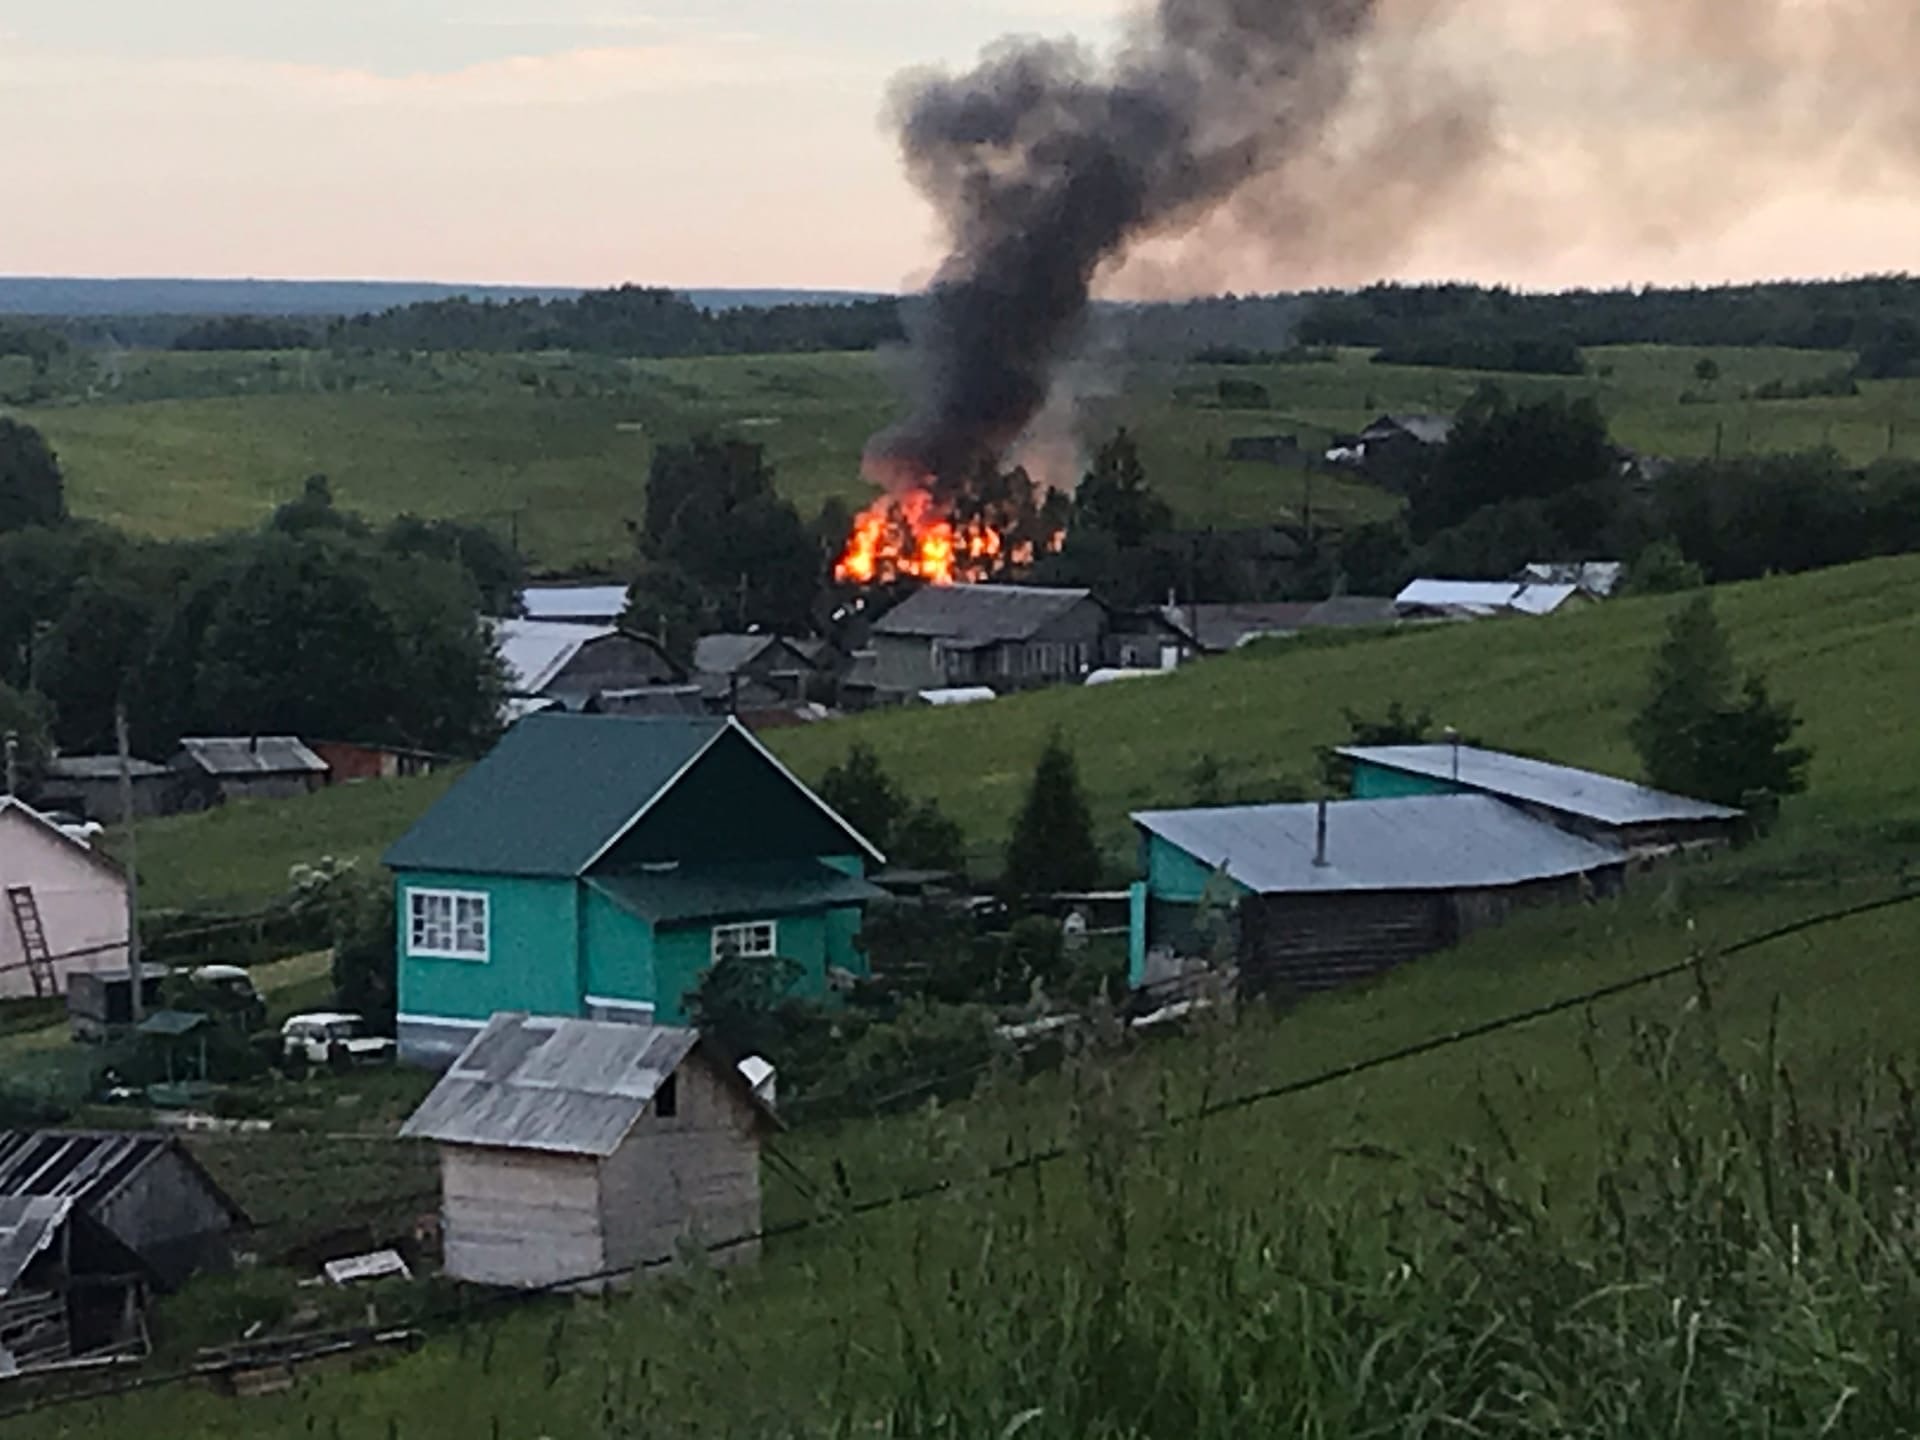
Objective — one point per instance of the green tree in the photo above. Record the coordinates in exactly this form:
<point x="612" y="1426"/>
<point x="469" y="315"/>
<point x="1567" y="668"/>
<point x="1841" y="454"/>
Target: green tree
<point x="1052" y="848"/>
<point x="927" y="838"/>
<point x="28" y="719"/>
<point x="315" y="511"/>
<point x="1706" y="370"/>
<point x="1702" y="733"/>
<point x="864" y="795"/>
<point x="1114" y="496"/>
<point x="1662" y="569"/>
<point x="32" y="491"/>
<point x="739" y="1003"/>
<point x="94" y="657"/>
<point x="365" y="967"/>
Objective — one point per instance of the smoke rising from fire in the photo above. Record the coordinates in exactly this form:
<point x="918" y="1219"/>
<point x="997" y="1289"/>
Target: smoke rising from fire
<point x="1282" y="143"/>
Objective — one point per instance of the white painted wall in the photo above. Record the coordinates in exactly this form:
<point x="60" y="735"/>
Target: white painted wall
<point x="82" y="898"/>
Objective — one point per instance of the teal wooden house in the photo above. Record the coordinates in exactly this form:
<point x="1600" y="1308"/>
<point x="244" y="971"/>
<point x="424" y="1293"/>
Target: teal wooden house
<point x="596" y="867"/>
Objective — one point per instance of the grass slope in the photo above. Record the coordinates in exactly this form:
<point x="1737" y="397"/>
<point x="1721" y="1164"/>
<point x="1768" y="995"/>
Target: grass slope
<point x="556" y="447"/>
<point x="924" y="1303"/>
<point x="1839" y="644"/>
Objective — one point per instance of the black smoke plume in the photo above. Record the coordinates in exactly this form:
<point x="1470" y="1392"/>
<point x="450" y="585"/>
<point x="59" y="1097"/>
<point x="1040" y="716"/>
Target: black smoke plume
<point x="1046" y="165"/>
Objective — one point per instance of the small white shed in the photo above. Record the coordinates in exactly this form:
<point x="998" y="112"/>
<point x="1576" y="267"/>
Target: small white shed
<point x="63" y="905"/>
<point x="573" y="1148"/>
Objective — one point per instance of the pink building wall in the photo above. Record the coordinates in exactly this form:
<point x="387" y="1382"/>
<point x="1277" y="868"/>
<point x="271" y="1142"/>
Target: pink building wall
<point x="82" y="898"/>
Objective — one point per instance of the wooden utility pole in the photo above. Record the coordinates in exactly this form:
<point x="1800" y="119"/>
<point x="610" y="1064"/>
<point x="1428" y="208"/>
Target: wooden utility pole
<point x="134" y="976"/>
<point x="13" y="764"/>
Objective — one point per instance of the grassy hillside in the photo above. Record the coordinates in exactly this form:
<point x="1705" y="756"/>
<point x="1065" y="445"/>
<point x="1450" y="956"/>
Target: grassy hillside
<point x="1572" y="1212"/>
<point x="557" y="446"/>
<point x="1839" y="644"/>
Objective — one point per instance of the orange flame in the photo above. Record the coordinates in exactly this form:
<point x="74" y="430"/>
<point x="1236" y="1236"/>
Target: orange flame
<point x="907" y="537"/>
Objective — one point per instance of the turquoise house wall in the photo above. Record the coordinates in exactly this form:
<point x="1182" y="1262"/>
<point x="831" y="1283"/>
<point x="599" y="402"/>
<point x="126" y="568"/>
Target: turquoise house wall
<point x="533" y="960"/>
<point x="1377" y="782"/>
<point x="1164" y="905"/>
<point x="618" y="948"/>
<point x="1174" y="875"/>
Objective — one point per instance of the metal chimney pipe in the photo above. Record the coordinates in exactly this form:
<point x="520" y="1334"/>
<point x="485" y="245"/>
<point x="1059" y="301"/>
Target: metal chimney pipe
<point x="1320" y="837"/>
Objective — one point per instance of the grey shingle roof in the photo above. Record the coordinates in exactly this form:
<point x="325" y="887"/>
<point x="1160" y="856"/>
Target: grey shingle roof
<point x="552" y="793"/>
<point x="977" y="615"/>
<point x="1582" y="793"/>
<point x="1446" y="842"/>
<point x="570" y="1087"/>
<point x="242" y="755"/>
<point x="725" y="892"/>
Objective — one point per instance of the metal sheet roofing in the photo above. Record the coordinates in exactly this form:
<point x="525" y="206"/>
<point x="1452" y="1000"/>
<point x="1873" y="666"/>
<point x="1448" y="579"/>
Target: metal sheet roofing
<point x="720" y="892"/>
<point x="1445" y="842"/>
<point x="551" y="795"/>
<point x="535" y="652"/>
<point x="978" y="615"/>
<point x="1427" y="429"/>
<point x="1486" y="597"/>
<point x="244" y="755"/>
<point x="1584" y="793"/>
<point x="581" y="604"/>
<point x="571" y="1087"/>
<point x="101" y="767"/>
<point x="28" y="1226"/>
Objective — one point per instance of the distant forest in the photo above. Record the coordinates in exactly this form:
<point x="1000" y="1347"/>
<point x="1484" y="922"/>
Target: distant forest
<point x="1469" y="326"/>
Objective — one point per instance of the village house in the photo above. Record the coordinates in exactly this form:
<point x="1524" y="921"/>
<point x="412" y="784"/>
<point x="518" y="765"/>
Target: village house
<point x="66" y="906"/>
<point x="1394" y="448"/>
<point x="1642" y="821"/>
<point x="1222" y="628"/>
<point x="1009" y="637"/>
<point x="597" y="867"/>
<point x="89" y="786"/>
<point x="1480" y="599"/>
<point x="566" y="666"/>
<point x="213" y="770"/>
<point x="582" y="1151"/>
<point x="348" y="762"/>
<point x="90" y="1224"/>
<point x="1325" y="895"/>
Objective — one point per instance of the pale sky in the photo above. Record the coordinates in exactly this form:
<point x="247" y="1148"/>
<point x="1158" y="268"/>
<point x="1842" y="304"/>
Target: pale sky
<point x="589" y="142"/>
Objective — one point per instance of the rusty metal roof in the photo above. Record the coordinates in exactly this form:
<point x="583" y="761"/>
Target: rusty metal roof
<point x="570" y="1087"/>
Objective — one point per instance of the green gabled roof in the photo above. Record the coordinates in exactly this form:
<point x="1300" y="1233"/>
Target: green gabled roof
<point x="752" y="890"/>
<point x="553" y="795"/>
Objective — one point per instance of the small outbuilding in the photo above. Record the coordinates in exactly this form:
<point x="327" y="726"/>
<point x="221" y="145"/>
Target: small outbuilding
<point x="574" y="1149"/>
<point x="216" y="769"/>
<point x="89" y="785"/>
<point x="1329" y="894"/>
<point x="90" y="1224"/>
<point x="1642" y="821"/>
<point x="570" y="664"/>
<point x="64" y="911"/>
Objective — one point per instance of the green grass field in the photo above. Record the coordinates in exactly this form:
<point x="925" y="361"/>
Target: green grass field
<point x="554" y="449"/>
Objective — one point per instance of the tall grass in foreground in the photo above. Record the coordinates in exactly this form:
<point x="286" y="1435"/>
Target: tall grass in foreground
<point x="1742" y="1265"/>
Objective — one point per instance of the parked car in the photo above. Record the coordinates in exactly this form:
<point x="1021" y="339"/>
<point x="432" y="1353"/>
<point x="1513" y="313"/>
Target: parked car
<point x="232" y="991"/>
<point x="328" y="1037"/>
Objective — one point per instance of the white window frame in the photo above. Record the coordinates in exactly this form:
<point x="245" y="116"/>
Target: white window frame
<point x="747" y="940"/>
<point x="452" y="948"/>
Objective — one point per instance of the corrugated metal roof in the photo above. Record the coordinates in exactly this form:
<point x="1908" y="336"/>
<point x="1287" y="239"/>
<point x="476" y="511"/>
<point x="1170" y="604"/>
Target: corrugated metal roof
<point x="1427" y="429"/>
<point x="88" y="1166"/>
<point x="101" y="767"/>
<point x="1584" y="793"/>
<point x="252" y="755"/>
<point x="28" y="1226"/>
<point x="571" y="1087"/>
<point x="724" y="892"/>
<point x="1596" y="577"/>
<point x="1446" y="842"/>
<point x="587" y="604"/>
<point x="1349" y="610"/>
<point x="552" y="793"/>
<point x="975" y="615"/>
<point x="534" y="652"/>
<point x="728" y="654"/>
<point x="1485" y="597"/>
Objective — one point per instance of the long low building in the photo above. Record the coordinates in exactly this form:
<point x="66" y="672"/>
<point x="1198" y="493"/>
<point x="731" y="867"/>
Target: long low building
<point x="1599" y="807"/>
<point x="1328" y="894"/>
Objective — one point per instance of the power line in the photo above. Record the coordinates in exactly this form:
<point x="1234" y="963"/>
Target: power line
<point x="1051" y="1154"/>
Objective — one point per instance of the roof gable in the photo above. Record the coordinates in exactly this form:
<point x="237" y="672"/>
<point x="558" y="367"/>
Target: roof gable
<point x="90" y="1167"/>
<point x="569" y="1087"/>
<point x="1584" y="793"/>
<point x="1446" y="842"/>
<point x="560" y="792"/>
<point x="979" y="614"/>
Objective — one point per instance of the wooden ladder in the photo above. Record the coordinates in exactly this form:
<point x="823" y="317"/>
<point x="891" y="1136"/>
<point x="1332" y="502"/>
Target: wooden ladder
<point x="33" y="939"/>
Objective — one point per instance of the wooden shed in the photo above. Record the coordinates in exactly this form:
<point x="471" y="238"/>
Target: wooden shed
<point x="1326" y="895"/>
<point x="216" y="769"/>
<point x="572" y="1149"/>
<point x="90" y="1223"/>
